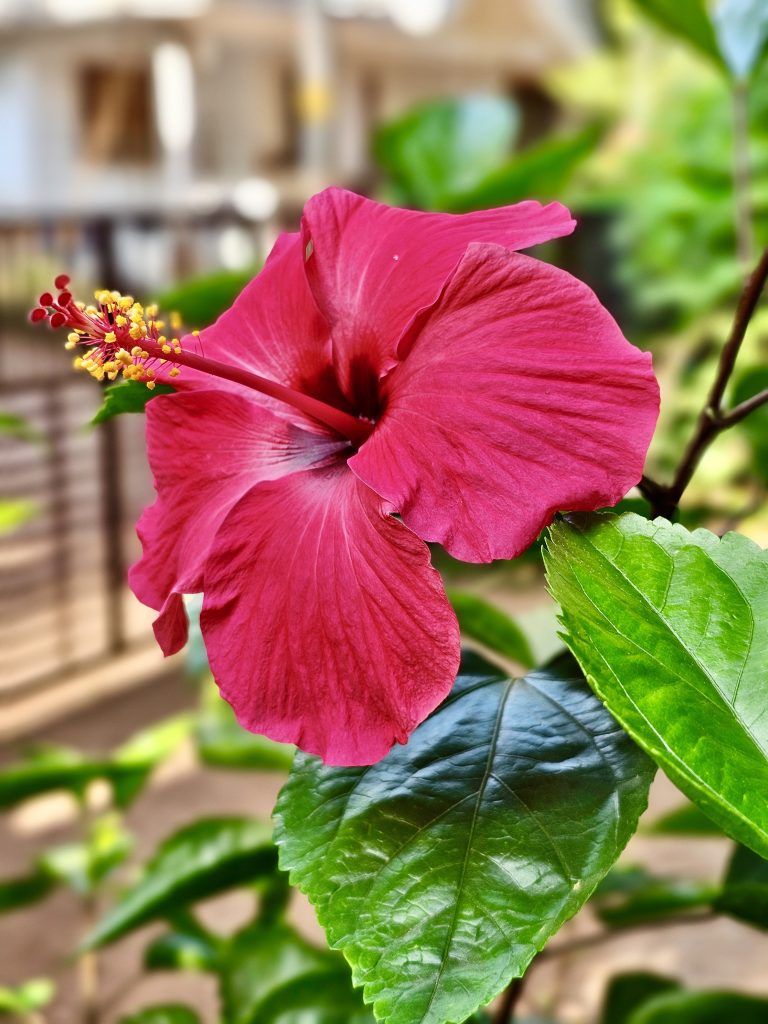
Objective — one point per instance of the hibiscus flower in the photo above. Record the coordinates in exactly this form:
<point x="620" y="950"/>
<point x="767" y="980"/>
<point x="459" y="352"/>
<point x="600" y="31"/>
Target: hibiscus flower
<point x="389" y="378"/>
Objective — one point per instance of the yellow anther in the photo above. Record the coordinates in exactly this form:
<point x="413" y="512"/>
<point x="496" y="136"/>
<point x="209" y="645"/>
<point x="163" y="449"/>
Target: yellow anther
<point x="166" y="349"/>
<point x="151" y="311"/>
<point x="176" y="321"/>
<point x="136" y="351"/>
<point x="150" y="373"/>
<point x="123" y="356"/>
<point x="159" y="324"/>
<point x="151" y="386"/>
<point x="145" y="355"/>
<point x="174" y="372"/>
<point x="77" y="362"/>
<point x="120" y="320"/>
<point x="110" y="337"/>
<point x="91" y="311"/>
<point x="103" y="297"/>
<point x="195" y="332"/>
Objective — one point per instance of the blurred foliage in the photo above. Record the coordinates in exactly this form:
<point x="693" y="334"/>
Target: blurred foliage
<point x="457" y="155"/>
<point x="200" y="300"/>
<point x="127" y="396"/>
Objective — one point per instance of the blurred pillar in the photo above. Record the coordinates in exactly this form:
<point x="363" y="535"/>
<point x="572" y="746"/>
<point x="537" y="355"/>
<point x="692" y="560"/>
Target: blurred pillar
<point x="315" y="96"/>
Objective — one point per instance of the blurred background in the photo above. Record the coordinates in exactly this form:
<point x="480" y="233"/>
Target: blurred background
<point x="159" y="147"/>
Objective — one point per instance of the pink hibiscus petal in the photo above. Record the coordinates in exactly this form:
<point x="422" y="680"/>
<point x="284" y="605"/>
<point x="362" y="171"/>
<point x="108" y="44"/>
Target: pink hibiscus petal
<point x="518" y="397"/>
<point x="206" y="449"/>
<point x="273" y="328"/>
<point x="371" y="267"/>
<point x="324" y="622"/>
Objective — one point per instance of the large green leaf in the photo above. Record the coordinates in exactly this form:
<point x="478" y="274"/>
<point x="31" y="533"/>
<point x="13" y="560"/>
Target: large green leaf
<point x="443" y="869"/>
<point x="271" y="974"/>
<point x="128" y="396"/>
<point x="202" y="859"/>
<point x="702" y="1008"/>
<point x="480" y="621"/>
<point x="686" y="19"/>
<point x="741" y="27"/>
<point x="541" y="170"/>
<point x="446" y="146"/>
<point x="671" y="629"/>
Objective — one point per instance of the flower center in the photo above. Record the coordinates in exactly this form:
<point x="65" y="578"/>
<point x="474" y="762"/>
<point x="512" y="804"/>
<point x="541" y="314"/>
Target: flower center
<point x="123" y="337"/>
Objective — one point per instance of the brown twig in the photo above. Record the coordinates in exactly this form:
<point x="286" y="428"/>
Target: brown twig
<point x="509" y="998"/>
<point x="713" y="419"/>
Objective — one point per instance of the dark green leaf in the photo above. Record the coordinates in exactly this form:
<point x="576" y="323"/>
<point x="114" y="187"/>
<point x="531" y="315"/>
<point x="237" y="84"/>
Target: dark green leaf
<point x="686" y="19"/>
<point x="21" y="892"/>
<point x="491" y="627"/>
<point x="540" y="170"/>
<point x="201" y="300"/>
<point x="270" y="974"/>
<point x="671" y="629"/>
<point x="446" y="146"/>
<point x="627" y="992"/>
<point x="201" y="860"/>
<point x="745" y="889"/>
<point x="755" y="426"/>
<point x="32" y="995"/>
<point x="171" y="1013"/>
<point x="688" y="820"/>
<point x="651" y="898"/>
<point x="702" y="1008"/>
<point x="741" y="27"/>
<point x="179" y="951"/>
<point x="441" y="870"/>
<point x="127" y="396"/>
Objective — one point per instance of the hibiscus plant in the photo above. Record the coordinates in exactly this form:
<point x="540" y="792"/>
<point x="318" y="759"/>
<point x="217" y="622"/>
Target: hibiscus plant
<point x="394" y="385"/>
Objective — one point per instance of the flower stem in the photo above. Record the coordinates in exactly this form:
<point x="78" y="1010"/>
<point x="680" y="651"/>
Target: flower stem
<point x="713" y="419"/>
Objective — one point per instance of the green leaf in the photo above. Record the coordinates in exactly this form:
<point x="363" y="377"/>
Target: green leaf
<point x="271" y="974"/>
<point x="201" y="300"/>
<point x="686" y="19"/>
<point x="12" y="425"/>
<point x="223" y="743"/>
<point x="745" y="889"/>
<point x="47" y="770"/>
<point x="83" y="866"/>
<point x="127" y="396"/>
<point x="540" y="170"/>
<point x="446" y="146"/>
<point x="755" y="426"/>
<point x="171" y="1013"/>
<point x="134" y="761"/>
<point x="741" y="27"/>
<point x="687" y="820"/>
<point x="205" y="858"/>
<point x="443" y="869"/>
<point x="627" y="992"/>
<point x="21" y="892"/>
<point x="482" y="622"/>
<point x="645" y="897"/>
<point x="702" y="1008"/>
<point x="24" y="999"/>
<point x="671" y="629"/>
<point x="181" y="951"/>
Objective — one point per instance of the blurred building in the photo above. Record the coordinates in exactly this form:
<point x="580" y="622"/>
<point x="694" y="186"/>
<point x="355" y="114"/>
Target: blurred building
<point x="147" y="139"/>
